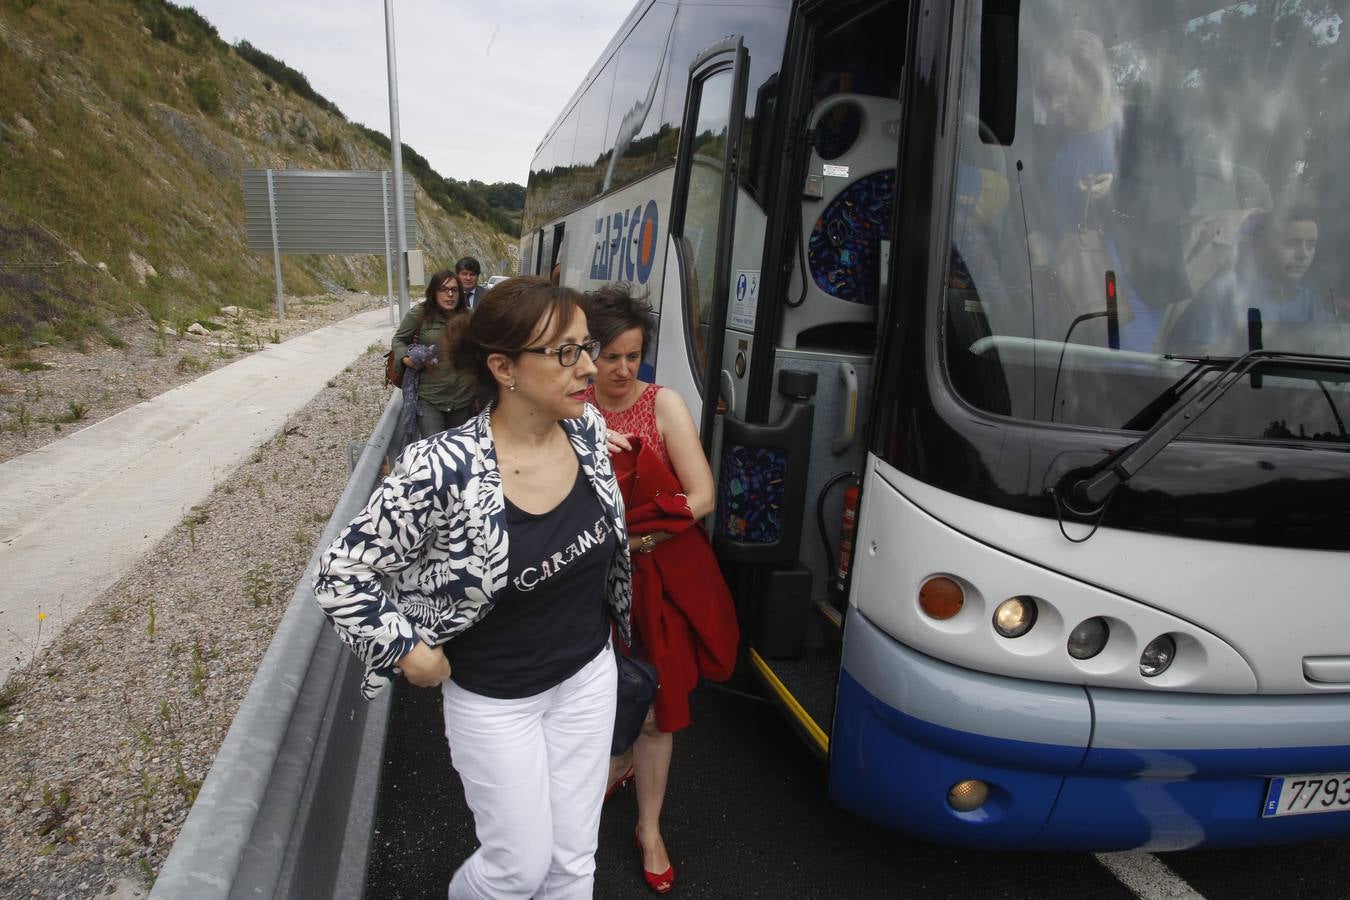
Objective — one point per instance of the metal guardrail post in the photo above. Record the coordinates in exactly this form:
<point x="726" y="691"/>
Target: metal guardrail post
<point x="288" y="806"/>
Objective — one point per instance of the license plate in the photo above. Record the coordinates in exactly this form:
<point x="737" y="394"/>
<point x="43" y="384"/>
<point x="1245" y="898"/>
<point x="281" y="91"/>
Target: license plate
<point x="1299" y="795"/>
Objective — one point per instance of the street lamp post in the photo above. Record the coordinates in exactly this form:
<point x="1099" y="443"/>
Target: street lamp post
<point x="396" y="152"/>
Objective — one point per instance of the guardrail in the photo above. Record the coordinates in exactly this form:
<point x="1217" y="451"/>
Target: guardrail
<point x="288" y="807"/>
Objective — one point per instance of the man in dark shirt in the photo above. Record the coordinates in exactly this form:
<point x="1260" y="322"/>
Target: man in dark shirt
<point x="468" y="270"/>
<point x="1268" y="278"/>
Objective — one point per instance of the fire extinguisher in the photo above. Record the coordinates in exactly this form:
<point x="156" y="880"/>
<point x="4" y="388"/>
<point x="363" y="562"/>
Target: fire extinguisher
<point x="847" y="528"/>
<point x="837" y="569"/>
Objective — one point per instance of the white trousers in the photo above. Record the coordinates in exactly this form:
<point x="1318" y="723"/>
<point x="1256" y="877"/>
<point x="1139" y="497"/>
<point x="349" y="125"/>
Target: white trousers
<point x="534" y="773"/>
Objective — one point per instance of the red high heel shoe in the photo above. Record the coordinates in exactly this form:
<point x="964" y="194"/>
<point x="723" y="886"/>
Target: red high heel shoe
<point x="659" y="882"/>
<point x="619" y="783"/>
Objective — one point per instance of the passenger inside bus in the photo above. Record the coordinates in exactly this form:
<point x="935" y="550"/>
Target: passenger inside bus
<point x="1141" y="144"/>
<point x="1078" y="240"/>
<point x="1268" y="278"/>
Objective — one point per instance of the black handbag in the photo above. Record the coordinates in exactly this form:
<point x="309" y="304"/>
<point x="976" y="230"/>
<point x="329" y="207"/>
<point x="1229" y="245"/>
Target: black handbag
<point x="637" y="688"/>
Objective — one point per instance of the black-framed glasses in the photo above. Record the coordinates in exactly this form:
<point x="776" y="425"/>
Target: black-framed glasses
<point x="568" y="354"/>
<point x="448" y="288"/>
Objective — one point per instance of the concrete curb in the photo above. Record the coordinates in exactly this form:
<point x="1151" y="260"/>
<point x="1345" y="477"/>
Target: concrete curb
<point x="288" y="806"/>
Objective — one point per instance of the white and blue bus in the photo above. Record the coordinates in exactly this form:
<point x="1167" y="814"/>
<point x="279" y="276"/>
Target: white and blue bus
<point x="1058" y="287"/>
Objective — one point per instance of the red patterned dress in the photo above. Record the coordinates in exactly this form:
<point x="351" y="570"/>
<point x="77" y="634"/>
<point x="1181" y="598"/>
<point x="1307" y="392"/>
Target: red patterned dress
<point x="639" y="419"/>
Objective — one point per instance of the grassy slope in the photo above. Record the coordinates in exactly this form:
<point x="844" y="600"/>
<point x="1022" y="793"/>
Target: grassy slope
<point x="121" y="134"/>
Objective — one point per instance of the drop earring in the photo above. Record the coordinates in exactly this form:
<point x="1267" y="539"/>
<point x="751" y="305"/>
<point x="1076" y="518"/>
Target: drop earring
<point x="511" y="387"/>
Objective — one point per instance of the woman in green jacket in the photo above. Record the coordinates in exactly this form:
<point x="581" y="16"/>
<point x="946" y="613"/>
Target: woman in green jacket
<point x="435" y="394"/>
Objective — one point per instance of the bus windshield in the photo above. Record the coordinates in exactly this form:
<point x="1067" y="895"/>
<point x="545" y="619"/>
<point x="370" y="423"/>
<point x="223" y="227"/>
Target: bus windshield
<point x="1141" y="185"/>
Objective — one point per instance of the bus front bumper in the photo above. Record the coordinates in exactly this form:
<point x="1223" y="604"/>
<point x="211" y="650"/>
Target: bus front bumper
<point x="1070" y="768"/>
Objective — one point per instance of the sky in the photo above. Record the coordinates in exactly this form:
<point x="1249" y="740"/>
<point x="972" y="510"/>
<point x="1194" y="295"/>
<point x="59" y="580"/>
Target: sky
<point x="479" y="81"/>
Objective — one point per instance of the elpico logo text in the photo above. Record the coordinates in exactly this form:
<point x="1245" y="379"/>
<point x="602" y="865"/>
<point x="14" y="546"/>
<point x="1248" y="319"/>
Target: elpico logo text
<point x="625" y="244"/>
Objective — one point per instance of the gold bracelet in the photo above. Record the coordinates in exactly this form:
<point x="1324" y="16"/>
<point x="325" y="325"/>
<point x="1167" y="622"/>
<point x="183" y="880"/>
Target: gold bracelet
<point x="647" y="543"/>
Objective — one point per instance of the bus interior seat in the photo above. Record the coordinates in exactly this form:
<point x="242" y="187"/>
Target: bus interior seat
<point x="844" y="241"/>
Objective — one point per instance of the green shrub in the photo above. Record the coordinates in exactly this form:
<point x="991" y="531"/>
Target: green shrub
<point x="283" y="74"/>
<point x="205" y="93"/>
<point x="161" y="29"/>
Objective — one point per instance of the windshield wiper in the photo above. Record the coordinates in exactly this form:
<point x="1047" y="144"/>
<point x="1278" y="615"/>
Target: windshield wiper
<point x="1156" y="408"/>
<point x="1088" y="492"/>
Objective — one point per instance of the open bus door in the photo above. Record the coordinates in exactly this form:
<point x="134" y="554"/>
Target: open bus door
<point x="703" y="217"/>
<point x="788" y="471"/>
<point x="699" y="278"/>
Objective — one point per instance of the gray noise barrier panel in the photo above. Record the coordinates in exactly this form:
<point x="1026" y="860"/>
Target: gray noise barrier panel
<point x="288" y="808"/>
<point x="325" y="212"/>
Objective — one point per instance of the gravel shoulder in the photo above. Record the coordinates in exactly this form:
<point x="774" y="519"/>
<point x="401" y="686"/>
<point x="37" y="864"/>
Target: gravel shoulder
<point x="106" y="736"/>
<point x="50" y="391"/>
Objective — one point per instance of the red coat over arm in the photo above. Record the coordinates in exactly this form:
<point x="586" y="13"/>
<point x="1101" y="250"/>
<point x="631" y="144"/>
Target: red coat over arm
<point x="683" y="613"/>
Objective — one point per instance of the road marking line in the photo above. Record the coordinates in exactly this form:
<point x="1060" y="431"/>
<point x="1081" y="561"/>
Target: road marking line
<point x="1148" y="877"/>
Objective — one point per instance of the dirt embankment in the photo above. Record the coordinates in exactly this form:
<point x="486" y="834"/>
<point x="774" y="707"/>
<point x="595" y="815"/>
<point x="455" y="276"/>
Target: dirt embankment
<point x="106" y="737"/>
<point x="48" y="392"/>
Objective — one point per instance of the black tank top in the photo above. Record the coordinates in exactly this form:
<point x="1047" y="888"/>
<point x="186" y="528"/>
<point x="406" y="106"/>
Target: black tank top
<point x="551" y="617"/>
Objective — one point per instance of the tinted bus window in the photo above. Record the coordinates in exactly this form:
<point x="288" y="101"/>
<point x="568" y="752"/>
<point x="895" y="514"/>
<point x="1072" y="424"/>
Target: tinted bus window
<point x="699" y="27"/>
<point x="1170" y="182"/>
<point x="590" y="154"/>
<point x="546" y="198"/>
<point x="640" y="78"/>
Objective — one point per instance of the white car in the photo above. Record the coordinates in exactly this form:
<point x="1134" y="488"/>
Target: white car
<point x="495" y="280"/>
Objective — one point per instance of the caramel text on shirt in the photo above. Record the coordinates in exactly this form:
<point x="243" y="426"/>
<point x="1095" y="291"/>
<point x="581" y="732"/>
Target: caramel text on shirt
<point x="531" y="577"/>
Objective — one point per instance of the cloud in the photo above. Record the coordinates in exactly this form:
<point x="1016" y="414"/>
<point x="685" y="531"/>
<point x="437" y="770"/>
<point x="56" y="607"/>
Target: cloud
<point x="478" y="83"/>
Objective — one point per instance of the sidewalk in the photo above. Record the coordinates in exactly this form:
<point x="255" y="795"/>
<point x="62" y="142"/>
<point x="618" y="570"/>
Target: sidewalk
<point x="76" y="514"/>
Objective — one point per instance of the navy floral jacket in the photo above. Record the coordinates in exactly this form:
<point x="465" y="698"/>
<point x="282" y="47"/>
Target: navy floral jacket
<point x="435" y="530"/>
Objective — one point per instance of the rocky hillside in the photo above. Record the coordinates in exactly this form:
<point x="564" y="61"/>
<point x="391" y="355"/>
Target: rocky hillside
<point x="124" y="127"/>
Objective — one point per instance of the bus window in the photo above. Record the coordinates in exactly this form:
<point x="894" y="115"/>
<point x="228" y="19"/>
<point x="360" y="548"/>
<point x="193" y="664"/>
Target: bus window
<point x="1142" y="196"/>
<point x="590" y="154"/>
<point x="636" y="108"/>
<point x="551" y="185"/>
<point x="699" y="238"/>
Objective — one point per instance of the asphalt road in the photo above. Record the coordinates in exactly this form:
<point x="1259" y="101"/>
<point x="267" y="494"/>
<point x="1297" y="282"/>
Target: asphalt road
<point x="748" y="816"/>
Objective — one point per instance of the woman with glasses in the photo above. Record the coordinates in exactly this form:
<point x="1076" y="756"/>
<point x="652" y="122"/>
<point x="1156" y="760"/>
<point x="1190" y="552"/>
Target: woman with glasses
<point x="684" y="622"/>
<point x="436" y="395"/>
<point x="516" y="514"/>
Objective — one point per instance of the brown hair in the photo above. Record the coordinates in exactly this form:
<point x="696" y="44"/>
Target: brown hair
<point x="434" y="285"/>
<point x="430" y="305"/>
<point x="507" y="321"/>
<point x="613" y="309"/>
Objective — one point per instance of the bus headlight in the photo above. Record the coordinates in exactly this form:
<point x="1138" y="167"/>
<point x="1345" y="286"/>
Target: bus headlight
<point x="1015" y="616"/>
<point x="1088" y="638"/>
<point x="1157" y="656"/>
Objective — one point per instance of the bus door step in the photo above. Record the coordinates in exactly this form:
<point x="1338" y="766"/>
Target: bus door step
<point x="831" y="621"/>
<point x="804" y="688"/>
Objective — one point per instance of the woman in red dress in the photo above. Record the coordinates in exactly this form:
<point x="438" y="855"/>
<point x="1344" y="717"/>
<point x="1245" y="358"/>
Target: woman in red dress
<point x="704" y="625"/>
